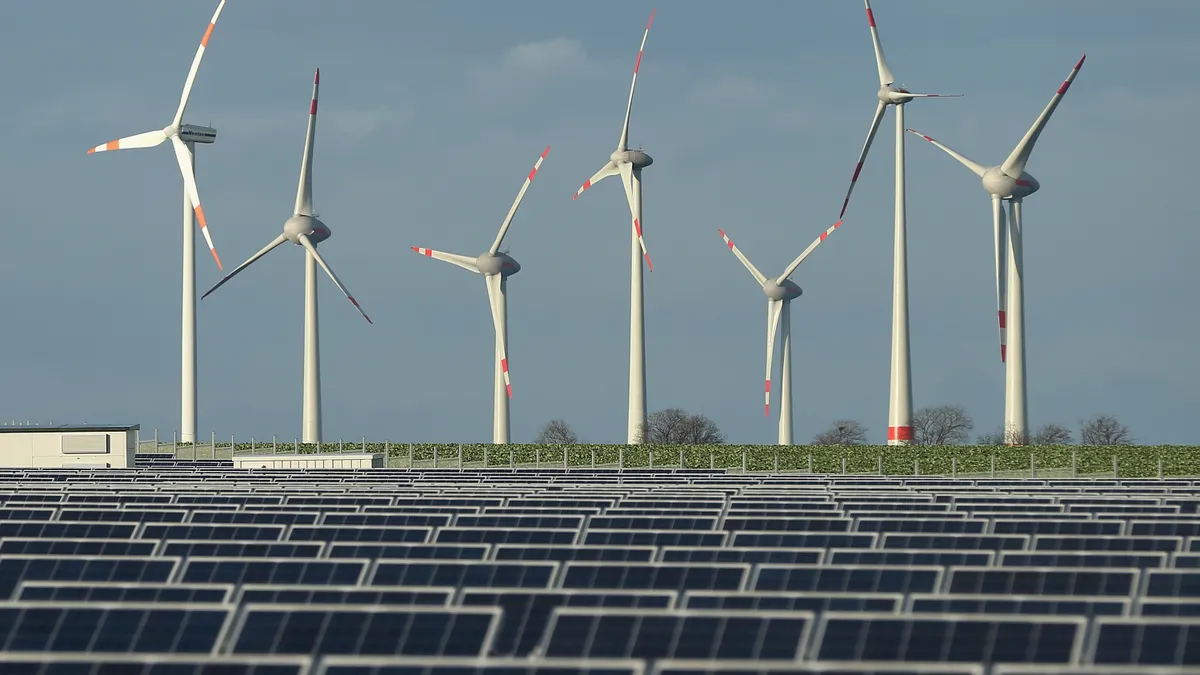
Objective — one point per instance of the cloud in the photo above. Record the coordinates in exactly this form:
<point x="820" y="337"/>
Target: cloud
<point x="530" y="63"/>
<point x="735" y="90"/>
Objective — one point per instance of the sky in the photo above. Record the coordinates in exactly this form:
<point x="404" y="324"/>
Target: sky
<point x="431" y="116"/>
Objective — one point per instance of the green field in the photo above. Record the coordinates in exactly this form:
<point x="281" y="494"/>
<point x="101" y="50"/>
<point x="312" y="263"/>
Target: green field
<point x="1046" y="460"/>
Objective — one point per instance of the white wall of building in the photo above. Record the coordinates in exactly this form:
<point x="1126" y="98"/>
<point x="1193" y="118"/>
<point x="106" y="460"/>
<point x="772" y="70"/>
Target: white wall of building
<point x="68" y="446"/>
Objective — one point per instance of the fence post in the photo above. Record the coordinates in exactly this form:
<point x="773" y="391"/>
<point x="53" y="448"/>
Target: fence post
<point x="745" y="462"/>
<point x="435" y="456"/>
<point x="1074" y="464"/>
<point x="776" y="461"/>
<point x="1116" y="468"/>
<point x="954" y="467"/>
<point x="364" y="448"/>
<point x="1032" y="466"/>
<point x="460" y="457"/>
<point x="512" y="458"/>
<point x="537" y="458"/>
<point x="880" y="462"/>
<point x="296" y="447"/>
<point x="252" y="448"/>
<point x="1160" y="466"/>
<point x="621" y="457"/>
<point x="651" y="458"/>
<point x="681" y="462"/>
<point x="810" y="462"/>
<point x="410" y="456"/>
<point x="156" y="439"/>
<point x="485" y="457"/>
<point x="341" y="445"/>
<point x="232" y="444"/>
<point x="712" y="458"/>
<point x="993" y="464"/>
<point x="566" y="461"/>
<point x="593" y="458"/>
<point x="175" y="444"/>
<point x="137" y="440"/>
<point x="916" y="467"/>
<point x="212" y="445"/>
<point x="843" y="465"/>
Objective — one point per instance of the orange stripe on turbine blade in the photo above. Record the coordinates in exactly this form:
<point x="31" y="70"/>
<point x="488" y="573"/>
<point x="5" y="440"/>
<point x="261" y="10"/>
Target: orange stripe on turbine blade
<point x="113" y="145"/>
<point x="207" y="34"/>
<point x="217" y="258"/>
<point x="200" y="216"/>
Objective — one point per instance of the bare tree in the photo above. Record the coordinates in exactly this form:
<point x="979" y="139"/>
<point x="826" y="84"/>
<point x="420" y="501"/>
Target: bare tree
<point x="1104" y="430"/>
<point x="942" y="425"/>
<point x="843" y="432"/>
<point x="995" y="437"/>
<point x="675" y="426"/>
<point x="1051" y="434"/>
<point x="556" y="432"/>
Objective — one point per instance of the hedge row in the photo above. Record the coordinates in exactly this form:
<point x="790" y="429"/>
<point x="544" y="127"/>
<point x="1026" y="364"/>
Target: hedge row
<point x="1128" y="461"/>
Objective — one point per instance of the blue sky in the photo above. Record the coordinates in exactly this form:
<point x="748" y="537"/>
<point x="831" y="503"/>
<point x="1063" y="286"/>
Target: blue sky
<point x="431" y="115"/>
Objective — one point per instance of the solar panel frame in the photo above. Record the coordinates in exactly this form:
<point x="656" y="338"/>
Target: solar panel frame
<point x="303" y="665"/>
<point x="633" y="553"/>
<point x="653" y="537"/>
<point x="239" y="593"/>
<point x="1043" y="542"/>
<point x="361" y="534"/>
<point x="186" y="567"/>
<point x="687" y="568"/>
<point x="207" y="531"/>
<point x="1014" y="573"/>
<point x="912" y="601"/>
<point x="371" y="665"/>
<point x="219" y="639"/>
<point x="847" y="556"/>
<point x="1098" y="639"/>
<point x="702" y="667"/>
<point x="19" y="545"/>
<point x="687" y="598"/>
<point x="25" y="588"/>
<point x="380" y="566"/>
<point x="755" y="583"/>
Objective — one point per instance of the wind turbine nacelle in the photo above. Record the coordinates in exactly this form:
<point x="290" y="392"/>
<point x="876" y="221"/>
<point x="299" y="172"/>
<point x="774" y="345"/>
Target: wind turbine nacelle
<point x="194" y="133"/>
<point x="1000" y="184"/>
<point x="297" y="225"/>
<point x="788" y="290"/>
<point x="501" y="263"/>
<point x="637" y="158"/>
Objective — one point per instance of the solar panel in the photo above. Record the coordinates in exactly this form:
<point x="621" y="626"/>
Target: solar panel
<point x="897" y="556"/>
<point x="63" y="530"/>
<point x="698" y="667"/>
<point x="550" y="521"/>
<point x="970" y="638"/>
<point x="655" y="576"/>
<point x="848" y="578"/>
<point x="1164" y="528"/>
<point x="652" y="538"/>
<point x="566" y="553"/>
<point x="114" y="515"/>
<point x="388" y="519"/>
<point x="363" y="533"/>
<point x="1167" y="607"/>
<point x="411" y="551"/>
<point x="1107" y="528"/>
<point x="255" y="517"/>
<point x="243" y="549"/>
<point x="1082" y="559"/>
<point x="1044" y="542"/>
<point x="1147" y="641"/>
<point x="787" y="524"/>
<point x="957" y="542"/>
<point x="357" y="665"/>
<point x="1043" y="581"/>
<point x="15" y="569"/>
<point x="464" y="573"/>
<point x="213" y="532"/>
<point x="810" y="556"/>
<point x="498" y="535"/>
<point x="937" y="525"/>
<point x="273" y="571"/>
<point x="816" y="602"/>
<point x="105" y="628"/>
<point x="658" y="524"/>
<point x="1173" y="583"/>
<point x="369" y="630"/>
<point x="657" y="634"/>
<point x="344" y="595"/>
<point x="926" y="603"/>
<point x="146" y="592"/>
<point x="41" y="546"/>
<point x="156" y="664"/>
<point x="527" y="613"/>
<point x="804" y="540"/>
<point x="19" y="513"/>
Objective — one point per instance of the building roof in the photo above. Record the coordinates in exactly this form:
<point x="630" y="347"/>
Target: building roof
<point x="60" y="428"/>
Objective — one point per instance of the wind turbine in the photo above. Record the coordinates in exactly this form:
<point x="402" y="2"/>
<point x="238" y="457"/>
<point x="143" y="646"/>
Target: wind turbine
<point x="628" y="164"/>
<point x="496" y="267"/>
<point x="780" y="292"/>
<point x="1010" y="182"/>
<point x="184" y="138"/>
<point x="304" y="229"/>
<point x="900" y="388"/>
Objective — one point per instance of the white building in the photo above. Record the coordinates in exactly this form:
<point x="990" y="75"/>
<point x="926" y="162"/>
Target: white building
<point x="68" y="445"/>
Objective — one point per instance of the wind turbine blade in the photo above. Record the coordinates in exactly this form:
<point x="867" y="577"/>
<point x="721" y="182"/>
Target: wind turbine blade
<point x="265" y="250"/>
<point x="304" y="189"/>
<point x="977" y="168"/>
<point x="312" y="250"/>
<point x="628" y="176"/>
<point x="145" y="140"/>
<point x="1015" y="164"/>
<point x="493" y="289"/>
<point x="191" y="77"/>
<point x="1001" y="240"/>
<point x="885" y="74"/>
<point x="758" y="276"/>
<point x="184" y="156"/>
<point x="624" y="142"/>
<point x="517" y="202"/>
<point x="800" y="258"/>
<point x="862" y="155"/>
<point x="609" y="169"/>
<point x="912" y="95"/>
<point x="774" y="309"/>
<point x="465" y="262"/>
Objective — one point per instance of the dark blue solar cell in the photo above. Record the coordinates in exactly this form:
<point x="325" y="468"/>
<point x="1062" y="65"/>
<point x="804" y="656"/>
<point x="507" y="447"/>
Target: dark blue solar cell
<point x="659" y="524"/>
<point x="1168" y="607"/>
<point x="806" y="556"/>
<point x="388" y="519"/>
<point x="1106" y="543"/>
<point x="484" y="535"/>
<point x="903" y="557"/>
<point x="96" y="664"/>
<point x="415" y="535"/>
<point x="652" y="538"/>
<point x="1173" y="583"/>
<point x="255" y="517"/>
<point x="1148" y="642"/>
<point x="1164" y="528"/>
<point x="243" y="549"/>
<point x="465" y="573"/>
<point x="332" y="595"/>
<point x="957" y="542"/>
<point x="1053" y="605"/>
<point x="10" y="512"/>
<point x="801" y="540"/>
<point x="77" y="547"/>
<point x="125" y="629"/>
<point x="15" y="569"/>
<point x="1082" y="559"/>
<point x="566" y="553"/>
<point x="787" y="524"/>
<point x="985" y="641"/>
<point x="101" y="592"/>
<point x="1108" y="528"/>
<point x="62" y="530"/>
<point x="368" y="631"/>
<point x="550" y="521"/>
<point x="922" y="525"/>
<point x="848" y="578"/>
<point x="817" y="603"/>
<point x="114" y="515"/>
<point x="657" y="576"/>
<point x="273" y="571"/>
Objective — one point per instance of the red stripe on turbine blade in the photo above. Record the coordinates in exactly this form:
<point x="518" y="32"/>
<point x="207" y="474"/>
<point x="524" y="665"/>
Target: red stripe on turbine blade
<point x="637" y="225"/>
<point x="638" y="64"/>
<point x="648" y="263"/>
<point x="312" y="110"/>
<point x="767" y="410"/>
<point x="532" y="173"/>
<point x="1063" y="89"/>
<point x="1002" y="318"/>
<point x="1003" y="353"/>
<point x="317" y="77"/>
<point x="871" y="18"/>
<point x="857" y="170"/>
<point x="504" y="365"/>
